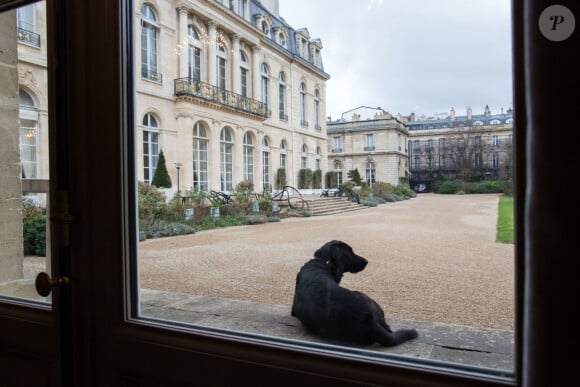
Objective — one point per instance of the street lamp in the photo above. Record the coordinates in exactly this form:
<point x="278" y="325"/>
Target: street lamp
<point x="177" y="166"/>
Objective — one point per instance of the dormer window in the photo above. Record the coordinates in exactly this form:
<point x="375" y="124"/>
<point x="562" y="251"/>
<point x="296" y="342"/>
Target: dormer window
<point x="265" y="27"/>
<point x="281" y="38"/>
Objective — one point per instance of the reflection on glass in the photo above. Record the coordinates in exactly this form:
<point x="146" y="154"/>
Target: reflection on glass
<point x="434" y="261"/>
<point x="25" y="249"/>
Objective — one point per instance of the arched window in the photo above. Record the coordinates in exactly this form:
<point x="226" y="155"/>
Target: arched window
<point x="370" y="173"/>
<point x="248" y="157"/>
<point x="304" y="157"/>
<point x="266" y="162"/>
<point x="317" y="160"/>
<point x="28" y="115"/>
<point x="150" y="146"/>
<point x="283" y="154"/>
<point x="149" y="44"/>
<point x="194" y="54"/>
<point x="303" y="121"/>
<point x="317" y="110"/>
<point x="282" y="96"/>
<point x="265" y="83"/>
<point x="221" y="63"/>
<point x="200" y="157"/>
<point x="281" y="39"/>
<point x="226" y="160"/>
<point x="244" y="73"/>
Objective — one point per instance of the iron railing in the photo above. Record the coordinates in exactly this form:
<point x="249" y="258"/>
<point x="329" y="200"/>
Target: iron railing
<point x="198" y="89"/>
<point x="28" y="37"/>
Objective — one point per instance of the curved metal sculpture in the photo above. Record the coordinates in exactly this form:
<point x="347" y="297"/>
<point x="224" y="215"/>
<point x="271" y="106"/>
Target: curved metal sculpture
<point x="293" y="197"/>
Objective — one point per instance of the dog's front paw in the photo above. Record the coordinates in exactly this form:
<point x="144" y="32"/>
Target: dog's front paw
<point x="412" y="333"/>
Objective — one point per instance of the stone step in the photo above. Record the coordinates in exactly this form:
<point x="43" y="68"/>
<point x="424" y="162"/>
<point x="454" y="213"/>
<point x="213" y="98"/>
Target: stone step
<point x="330" y="206"/>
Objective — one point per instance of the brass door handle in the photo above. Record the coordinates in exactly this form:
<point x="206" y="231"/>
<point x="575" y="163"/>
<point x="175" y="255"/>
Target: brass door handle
<point x="44" y="284"/>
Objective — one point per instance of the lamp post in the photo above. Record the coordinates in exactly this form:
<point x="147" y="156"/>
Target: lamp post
<point x="177" y="166"/>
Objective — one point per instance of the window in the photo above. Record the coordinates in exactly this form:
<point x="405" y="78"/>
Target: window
<point x="282" y="96"/>
<point x="266" y="162"/>
<point x="265" y="27"/>
<point x="338" y="173"/>
<point x="244" y="73"/>
<point x="149" y="44"/>
<point x="194" y="54"/>
<point x="495" y="140"/>
<point x="25" y="18"/>
<point x="200" y="157"/>
<point x="370" y="173"/>
<point x="337" y="144"/>
<point x="226" y="160"/>
<point x="317" y="160"/>
<point x="317" y="110"/>
<point x="242" y="8"/>
<point x="304" y="157"/>
<point x="265" y="83"/>
<point x="150" y="146"/>
<point x="248" y="157"/>
<point x="283" y="154"/>
<point x="303" y="121"/>
<point x="28" y="115"/>
<point x="281" y="38"/>
<point x="369" y="142"/>
<point x="221" y="65"/>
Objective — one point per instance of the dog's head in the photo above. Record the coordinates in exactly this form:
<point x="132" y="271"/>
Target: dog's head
<point x="341" y="259"/>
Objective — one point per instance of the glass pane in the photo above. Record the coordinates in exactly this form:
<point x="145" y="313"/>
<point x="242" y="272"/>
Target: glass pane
<point x="24" y="180"/>
<point x="423" y="194"/>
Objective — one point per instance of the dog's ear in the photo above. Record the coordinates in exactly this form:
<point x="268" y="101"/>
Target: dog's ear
<point x="339" y="253"/>
<point x="325" y="251"/>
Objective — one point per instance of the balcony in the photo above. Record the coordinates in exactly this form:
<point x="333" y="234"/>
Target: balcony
<point x="187" y="87"/>
<point x="151" y="75"/>
<point x="336" y="150"/>
<point x="28" y="37"/>
<point x="369" y="148"/>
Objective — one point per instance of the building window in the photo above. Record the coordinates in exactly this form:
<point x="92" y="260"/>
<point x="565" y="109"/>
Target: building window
<point x="370" y="173"/>
<point x="304" y="157"/>
<point x="317" y="111"/>
<point x="282" y="97"/>
<point x="495" y="161"/>
<point x="369" y="142"/>
<point x="194" y="54"/>
<point x="150" y="146"/>
<point x="317" y="160"/>
<point x="338" y="173"/>
<point x="221" y="66"/>
<point x="265" y="83"/>
<point x="283" y="154"/>
<point x="149" y="44"/>
<point x="200" y="158"/>
<point x="242" y="8"/>
<point x="303" y="121"/>
<point x="266" y="162"/>
<point x="244" y="72"/>
<point x="226" y="160"/>
<point x="495" y="140"/>
<point x="336" y="144"/>
<point x="28" y="118"/>
<point x="25" y="18"/>
<point x="248" y="157"/>
<point x="281" y="39"/>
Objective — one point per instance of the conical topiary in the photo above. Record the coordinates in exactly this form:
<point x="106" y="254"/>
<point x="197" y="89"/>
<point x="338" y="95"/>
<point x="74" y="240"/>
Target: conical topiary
<point x="161" y="177"/>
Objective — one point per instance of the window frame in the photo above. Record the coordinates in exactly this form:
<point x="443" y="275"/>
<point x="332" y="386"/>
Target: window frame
<point x="109" y="347"/>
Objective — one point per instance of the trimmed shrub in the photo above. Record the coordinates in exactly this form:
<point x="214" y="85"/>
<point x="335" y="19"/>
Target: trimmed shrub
<point x="161" y="228"/>
<point x="34" y="234"/>
<point x="161" y="177"/>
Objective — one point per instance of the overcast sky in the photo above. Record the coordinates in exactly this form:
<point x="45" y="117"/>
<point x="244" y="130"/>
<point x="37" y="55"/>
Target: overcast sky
<point x="406" y="56"/>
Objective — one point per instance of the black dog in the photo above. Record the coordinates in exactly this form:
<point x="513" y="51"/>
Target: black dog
<point x="336" y="313"/>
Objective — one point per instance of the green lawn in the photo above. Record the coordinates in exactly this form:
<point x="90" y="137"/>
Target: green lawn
<point x="505" y="220"/>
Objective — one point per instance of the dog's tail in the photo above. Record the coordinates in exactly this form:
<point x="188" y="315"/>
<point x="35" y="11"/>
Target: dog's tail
<point x="390" y="339"/>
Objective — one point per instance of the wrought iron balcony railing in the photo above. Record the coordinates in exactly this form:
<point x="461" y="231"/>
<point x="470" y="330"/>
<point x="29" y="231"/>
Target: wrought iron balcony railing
<point x="372" y="148"/>
<point x="198" y="89"/>
<point x="151" y="75"/>
<point x="28" y="37"/>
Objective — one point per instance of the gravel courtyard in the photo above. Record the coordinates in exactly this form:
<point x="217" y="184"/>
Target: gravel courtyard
<point x="431" y="258"/>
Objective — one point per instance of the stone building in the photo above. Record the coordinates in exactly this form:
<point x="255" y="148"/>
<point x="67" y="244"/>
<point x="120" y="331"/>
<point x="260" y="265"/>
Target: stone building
<point x="470" y="146"/>
<point x="229" y="91"/>
<point x="370" y="140"/>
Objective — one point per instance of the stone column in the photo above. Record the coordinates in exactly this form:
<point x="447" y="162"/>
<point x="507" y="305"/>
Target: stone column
<point x="183" y="42"/>
<point x="214" y="157"/>
<point x="211" y="73"/>
<point x="236" y="73"/>
<point x="256" y="75"/>
<point x="11" y="254"/>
